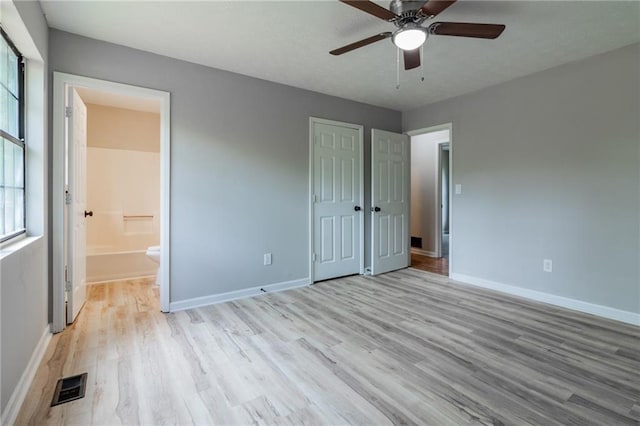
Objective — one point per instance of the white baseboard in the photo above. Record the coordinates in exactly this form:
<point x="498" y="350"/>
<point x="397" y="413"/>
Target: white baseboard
<point x="122" y="279"/>
<point x="103" y="278"/>
<point x="20" y="392"/>
<point x="423" y="252"/>
<point x="238" y="294"/>
<point x="565" y="302"/>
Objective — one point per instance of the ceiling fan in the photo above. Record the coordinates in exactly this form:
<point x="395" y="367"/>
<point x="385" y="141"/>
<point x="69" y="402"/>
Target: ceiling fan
<point x="408" y="16"/>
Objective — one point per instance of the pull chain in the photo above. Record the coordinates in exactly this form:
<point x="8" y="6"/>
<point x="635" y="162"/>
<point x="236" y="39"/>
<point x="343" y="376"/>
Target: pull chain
<point x="398" y="68"/>
<point x="422" y="61"/>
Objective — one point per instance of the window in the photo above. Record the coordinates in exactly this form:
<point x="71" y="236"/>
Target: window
<point x="12" y="150"/>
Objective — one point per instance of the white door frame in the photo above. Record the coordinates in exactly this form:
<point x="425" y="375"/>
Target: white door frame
<point x="446" y="126"/>
<point x="360" y="129"/>
<point x="60" y="81"/>
<point x="439" y="224"/>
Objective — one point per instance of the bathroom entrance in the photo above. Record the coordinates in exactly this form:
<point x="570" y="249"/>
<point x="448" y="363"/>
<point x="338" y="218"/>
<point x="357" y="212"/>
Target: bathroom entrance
<point x="111" y="167"/>
<point x="123" y="186"/>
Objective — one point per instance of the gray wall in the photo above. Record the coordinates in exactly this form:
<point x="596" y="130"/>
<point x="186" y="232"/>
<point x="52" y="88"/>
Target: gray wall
<point x="549" y="166"/>
<point x="23" y="272"/>
<point x="239" y="172"/>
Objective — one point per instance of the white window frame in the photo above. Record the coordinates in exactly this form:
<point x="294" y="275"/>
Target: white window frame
<point x="19" y="140"/>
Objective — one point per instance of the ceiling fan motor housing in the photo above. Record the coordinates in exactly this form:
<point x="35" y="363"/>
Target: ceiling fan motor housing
<point x="408" y="12"/>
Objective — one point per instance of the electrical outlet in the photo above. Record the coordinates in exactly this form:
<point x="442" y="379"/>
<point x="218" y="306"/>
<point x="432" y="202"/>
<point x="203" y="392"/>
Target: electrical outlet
<point x="547" y="265"/>
<point x="267" y="259"/>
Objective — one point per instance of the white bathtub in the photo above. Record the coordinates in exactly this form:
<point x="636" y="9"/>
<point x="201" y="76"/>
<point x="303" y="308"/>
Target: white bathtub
<point x="104" y="265"/>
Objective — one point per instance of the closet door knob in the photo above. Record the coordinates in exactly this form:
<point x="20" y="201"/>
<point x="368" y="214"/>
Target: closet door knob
<point x="357" y="208"/>
<point x="88" y="213"/>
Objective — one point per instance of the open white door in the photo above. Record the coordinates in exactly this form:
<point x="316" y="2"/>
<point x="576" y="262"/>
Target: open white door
<point x="76" y="204"/>
<point x="337" y="199"/>
<point x="389" y="201"/>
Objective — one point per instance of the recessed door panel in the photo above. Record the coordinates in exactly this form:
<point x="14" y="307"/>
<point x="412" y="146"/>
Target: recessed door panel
<point x="348" y="246"/>
<point x="348" y="143"/>
<point x="398" y="192"/>
<point x="399" y="243"/>
<point x="348" y="181"/>
<point x="327" y="180"/>
<point x="383" y="240"/>
<point x="382" y="182"/>
<point x="327" y="140"/>
<point x="327" y="232"/>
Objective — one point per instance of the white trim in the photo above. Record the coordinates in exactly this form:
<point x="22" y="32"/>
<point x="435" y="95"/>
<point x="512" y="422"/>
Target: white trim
<point x="20" y="392"/>
<point x="421" y="252"/>
<point x="141" y="277"/>
<point x="451" y="199"/>
<point x="438" y="205"/>
<point x="165" y="201"/>
<point x="60" y="80"/>
<point x="238" y="294"/>
<point x="431" y="129"/>
<point x="360" y="129"/>
<point x="17" y="245"/>
<point x="111" y="253"/>
<point x="564" y="302"/>
<point x="311" y="200"/>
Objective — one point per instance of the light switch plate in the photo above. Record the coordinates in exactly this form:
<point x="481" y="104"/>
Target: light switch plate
<point x="458" y="188"/>
<point x="267" y="259"/>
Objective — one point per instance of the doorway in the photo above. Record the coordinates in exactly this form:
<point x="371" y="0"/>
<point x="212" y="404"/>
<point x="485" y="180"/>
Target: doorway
<point x="431" y="167"/>
<point x="75" y="97"/>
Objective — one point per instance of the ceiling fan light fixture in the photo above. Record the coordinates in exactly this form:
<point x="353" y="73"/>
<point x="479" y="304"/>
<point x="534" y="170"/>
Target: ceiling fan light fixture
<point x="410" y="37"/>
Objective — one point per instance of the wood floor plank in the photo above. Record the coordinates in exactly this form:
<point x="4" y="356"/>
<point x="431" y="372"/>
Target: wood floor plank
<point x="406" y="347"/>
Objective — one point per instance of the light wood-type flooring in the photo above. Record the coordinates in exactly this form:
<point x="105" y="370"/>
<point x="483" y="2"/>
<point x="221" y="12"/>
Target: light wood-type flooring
<point x="402" y="348"/>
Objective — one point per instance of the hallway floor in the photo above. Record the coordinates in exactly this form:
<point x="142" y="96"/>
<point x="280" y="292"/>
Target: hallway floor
<point x="436" y="265"/>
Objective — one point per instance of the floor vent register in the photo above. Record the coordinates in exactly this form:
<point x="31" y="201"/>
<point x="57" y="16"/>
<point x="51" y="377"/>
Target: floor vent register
<point x="69" y="389"/>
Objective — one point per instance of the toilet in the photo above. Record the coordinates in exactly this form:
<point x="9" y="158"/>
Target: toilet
<point x="153" y="253"/>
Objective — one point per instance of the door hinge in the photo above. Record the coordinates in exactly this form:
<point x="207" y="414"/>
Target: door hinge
<point x="67" y="283"/>
<point x="313" y="257"/>
<point x="315" y="198"/>
<point x="67" y="111"/>
<point x="67" y="197"/>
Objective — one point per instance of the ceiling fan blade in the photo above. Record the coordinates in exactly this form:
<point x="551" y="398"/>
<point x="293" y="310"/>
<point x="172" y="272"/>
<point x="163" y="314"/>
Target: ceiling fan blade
<point x="411" y="59"/>
<point x="371" y="8"/>
<point x="462" y="29"/>
<point x="361" y="43"/>
<point x="434" y="7"/>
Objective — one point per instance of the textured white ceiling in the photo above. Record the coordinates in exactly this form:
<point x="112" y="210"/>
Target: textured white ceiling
<point x="288" y="41"/>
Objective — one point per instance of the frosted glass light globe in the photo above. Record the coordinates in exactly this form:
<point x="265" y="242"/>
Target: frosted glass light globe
<point x="409" y="38"/>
